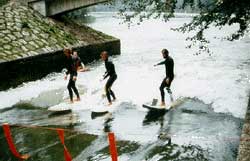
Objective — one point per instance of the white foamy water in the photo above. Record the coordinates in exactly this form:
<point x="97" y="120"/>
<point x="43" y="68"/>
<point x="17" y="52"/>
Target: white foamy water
<point x="221" y="79"/>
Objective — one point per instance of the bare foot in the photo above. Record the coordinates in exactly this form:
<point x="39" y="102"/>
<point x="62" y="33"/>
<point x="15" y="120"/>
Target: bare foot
<point x="110" y="103"/>
<point x="71" y="101"/>
<point x="163" y="104"/>
<point x="78" y="99"/>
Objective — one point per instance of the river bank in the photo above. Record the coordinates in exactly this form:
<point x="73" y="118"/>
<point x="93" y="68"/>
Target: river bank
<point x="244" y="147"/>
<point x="31" y="45"/>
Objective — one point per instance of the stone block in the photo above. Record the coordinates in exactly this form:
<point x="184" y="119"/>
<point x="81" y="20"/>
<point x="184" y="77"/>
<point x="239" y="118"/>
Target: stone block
<point x="1" y="20"/>
<point x="12" y="37"/>
<point x="24" y="49"/>
<point x="2" y="27"/>
<point x="7" y="47"/>
<point x="25" y="33"/>
<point x="18" y="35"/>
<point x="32" y="43"/>
<point x="23" y="41"/>
<point x="40" y="43"/>
<point x="8" y="53"/>
<point x="5" y="32"/>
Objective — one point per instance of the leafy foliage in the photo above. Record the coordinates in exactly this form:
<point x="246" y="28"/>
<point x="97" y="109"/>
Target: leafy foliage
<point x="216" y="13"/>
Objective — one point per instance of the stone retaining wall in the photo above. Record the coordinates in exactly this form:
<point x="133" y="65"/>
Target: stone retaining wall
<point x="31" y="45"/>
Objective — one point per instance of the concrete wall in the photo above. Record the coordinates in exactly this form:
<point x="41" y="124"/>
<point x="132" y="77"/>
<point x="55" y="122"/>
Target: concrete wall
<point x="54" y="7"/>
<point x="39" y="6"/>
<point x="60" y="6"/>
<point x="18" y="71"/>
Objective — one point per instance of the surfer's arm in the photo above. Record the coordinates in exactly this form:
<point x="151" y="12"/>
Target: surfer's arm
<point x="109" y="68"/>
<point x="106" y="75"/>
<point x="66" y="74"/>
<point x="161" y="63"/>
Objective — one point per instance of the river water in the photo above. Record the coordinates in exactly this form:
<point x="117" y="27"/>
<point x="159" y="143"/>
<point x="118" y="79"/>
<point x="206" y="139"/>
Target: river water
<point x="213" y="88"/>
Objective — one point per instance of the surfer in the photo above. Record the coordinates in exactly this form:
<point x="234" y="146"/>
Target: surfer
<point x="110" y="71"/>
<point x="169" y="65"/>
<point x="80" y="66"/>
<point x="73" y="63"/>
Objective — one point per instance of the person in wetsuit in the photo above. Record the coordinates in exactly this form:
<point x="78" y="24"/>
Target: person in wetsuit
<point x="110" y="72"/>
<point x="169" y="65"/>
<point x="73" y="63"/>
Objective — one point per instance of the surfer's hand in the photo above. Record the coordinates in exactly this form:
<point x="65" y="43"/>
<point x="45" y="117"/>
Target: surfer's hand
<point x="74" y="78"/>
<point x="65" y="77"/>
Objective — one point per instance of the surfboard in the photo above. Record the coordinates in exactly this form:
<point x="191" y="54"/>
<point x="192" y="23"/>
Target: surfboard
<point x="103" y="108"/>
<point x="154" y="106"/>
<point x="65" y="106"/>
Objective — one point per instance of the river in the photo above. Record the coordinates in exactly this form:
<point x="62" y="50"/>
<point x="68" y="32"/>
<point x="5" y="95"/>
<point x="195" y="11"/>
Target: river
<point x="206" y="126"/>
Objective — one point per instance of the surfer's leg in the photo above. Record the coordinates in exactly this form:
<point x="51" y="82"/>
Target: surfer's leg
<point x="107" y="89"/>
<point x="110" y="91"/>
<point x="70" y="90"/>
<point x="75" y="90"/>
<point x="112" y="94"/>
<point x="168" y="84"/>
<point x="163" y="85"/>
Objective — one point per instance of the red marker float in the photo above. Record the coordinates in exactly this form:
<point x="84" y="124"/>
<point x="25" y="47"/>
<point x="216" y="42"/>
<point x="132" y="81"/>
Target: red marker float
<point x="7" y="133"/>
<point x="67" y="155"/>
<point x="112" y="147"/>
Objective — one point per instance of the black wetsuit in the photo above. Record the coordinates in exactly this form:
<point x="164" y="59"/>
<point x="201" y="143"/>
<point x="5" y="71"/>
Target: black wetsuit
<point x="169" y="65"/>
<point x="110" y="71"/>
<point x="72" y="65"/>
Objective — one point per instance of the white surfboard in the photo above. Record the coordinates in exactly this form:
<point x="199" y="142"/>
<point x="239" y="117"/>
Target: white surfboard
<point x="65" y="106"/>
<point x="104" y="108"/>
